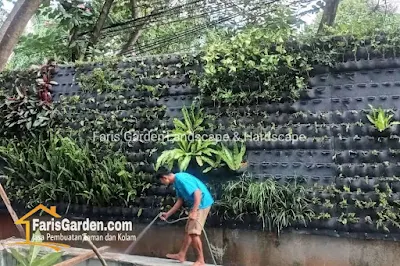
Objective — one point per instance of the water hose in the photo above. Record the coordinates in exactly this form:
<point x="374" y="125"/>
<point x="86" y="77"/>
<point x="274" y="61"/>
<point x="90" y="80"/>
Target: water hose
<point x="132" y="246"/>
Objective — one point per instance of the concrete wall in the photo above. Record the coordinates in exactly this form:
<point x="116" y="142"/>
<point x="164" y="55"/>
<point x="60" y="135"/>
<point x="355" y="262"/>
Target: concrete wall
<point x="254" y="248"/>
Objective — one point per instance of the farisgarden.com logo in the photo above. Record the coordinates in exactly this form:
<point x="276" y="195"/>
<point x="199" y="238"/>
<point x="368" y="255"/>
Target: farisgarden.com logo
<point x="58" y="229"/>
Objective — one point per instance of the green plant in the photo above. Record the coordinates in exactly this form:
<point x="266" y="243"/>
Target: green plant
<point x="387" y="214"/>
<point x="346" y="188"/>
<point x="24" y="115"/>
<point x="189" y="145"/>
<point x="343" y="204"/>
<point x="33" y="257"/>
<point x="201" y="151"/>
<point x="100" y="80"/>
<point x="233" y="159"/>
<point x="381" y="119"/>
<point x="323" y="215"/>
<point x="328" y="204"/>
<point x="276" y="205"/>
<point x="346" y="218"/>
<point x="74" y="99"/>
<point x="316" y="200"/>
<point x="255" y="64"/>
<point x="367" y="204"/>
<point x="192" y="122"/>
<point x="59" y="169"/>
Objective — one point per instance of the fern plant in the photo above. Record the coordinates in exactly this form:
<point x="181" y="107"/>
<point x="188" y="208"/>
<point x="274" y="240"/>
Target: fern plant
<point x="233" y="159"/>
<point x="188" y="149"/>
<point x="206" y="152"/>
<point x="32" y="257"/>
<point x="201" y="151"/>
<point x="381" y="119"/>
<point x="191" y="124"/>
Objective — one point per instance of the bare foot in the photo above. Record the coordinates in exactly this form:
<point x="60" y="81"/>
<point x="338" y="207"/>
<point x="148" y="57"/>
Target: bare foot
<point x="199" y="263"/>
<point x="177" y="257"/>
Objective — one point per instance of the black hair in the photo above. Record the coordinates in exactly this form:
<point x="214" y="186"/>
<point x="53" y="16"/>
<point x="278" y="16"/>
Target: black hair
<point x="162" y="172"/>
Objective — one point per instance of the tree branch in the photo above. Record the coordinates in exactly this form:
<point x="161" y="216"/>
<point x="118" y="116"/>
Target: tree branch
<point x="100" y="23"/>
<point x="94" y="248"/>
<point x="134" y="35"/>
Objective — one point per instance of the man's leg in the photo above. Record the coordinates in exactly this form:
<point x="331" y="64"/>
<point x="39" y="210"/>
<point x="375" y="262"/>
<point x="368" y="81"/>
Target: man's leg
<point x="195" y="233"/>
<point x="198" y="247"/>
<point x="187" y="240"/>
<point x="181" y="256"/>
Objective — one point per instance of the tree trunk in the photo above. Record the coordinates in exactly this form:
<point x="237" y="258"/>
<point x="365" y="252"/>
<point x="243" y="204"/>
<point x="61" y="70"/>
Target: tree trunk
<point x="14" y="26"/>
<point x="329" y="15"/>
<point x="9" y="18"/>
<point x="74" y="51"/>
<point x="100" y="23"/>
<point x="134" y="36"/>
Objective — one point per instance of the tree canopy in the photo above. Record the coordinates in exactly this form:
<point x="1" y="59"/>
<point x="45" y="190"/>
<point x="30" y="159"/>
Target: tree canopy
<point x="77" y="30"/>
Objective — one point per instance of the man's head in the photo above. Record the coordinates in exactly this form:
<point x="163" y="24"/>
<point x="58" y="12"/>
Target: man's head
<point x="166" y="177"/>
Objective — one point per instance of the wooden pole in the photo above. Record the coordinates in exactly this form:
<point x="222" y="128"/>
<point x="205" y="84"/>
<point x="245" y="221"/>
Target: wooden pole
<point x="10" y="209"/>
<point x="94" y="248"/>
<point x="83" y="257"/>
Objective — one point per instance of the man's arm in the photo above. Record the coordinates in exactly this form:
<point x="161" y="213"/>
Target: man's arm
<point x="196" y="204"/>
<point x="174" y="209"/>
<point x="197" y="200"/>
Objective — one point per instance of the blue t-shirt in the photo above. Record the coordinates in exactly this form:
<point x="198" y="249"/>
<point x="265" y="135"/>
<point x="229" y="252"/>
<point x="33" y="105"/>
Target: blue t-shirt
<point x="185" y="186"/>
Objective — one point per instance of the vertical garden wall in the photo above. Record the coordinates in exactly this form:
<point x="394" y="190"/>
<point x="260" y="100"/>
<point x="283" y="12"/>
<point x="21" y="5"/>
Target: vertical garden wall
<point x="332" y="166"/>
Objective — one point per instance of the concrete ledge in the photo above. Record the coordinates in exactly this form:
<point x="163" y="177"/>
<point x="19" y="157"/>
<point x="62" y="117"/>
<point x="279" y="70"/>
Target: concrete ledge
<point x="108" y="256"/>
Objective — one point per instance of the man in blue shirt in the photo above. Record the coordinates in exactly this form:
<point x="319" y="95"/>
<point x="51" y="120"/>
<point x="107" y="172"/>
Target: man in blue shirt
<point x="191" y="190"/>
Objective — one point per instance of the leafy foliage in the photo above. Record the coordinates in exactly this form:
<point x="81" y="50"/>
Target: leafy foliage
<point x="192" y="123"/>
<point x="100" y="81"/>
<point x="54" y="34"/>
<point x="24" y="115"/>
<point x="233" y="159"/>
<point x="253" y="65"/>
<point x="387" y="214"/>
<point x="190" y="144"/>
<point x="277" y="206"/>
<point x="58" y="169"/>
<point x="362" y="18"/>
<point x="32" y="256"/>
<point x="37" y="47"/>
<point x="186" y="151"/>
<point x="63" y="28"/>
<point x="381" y="119"/>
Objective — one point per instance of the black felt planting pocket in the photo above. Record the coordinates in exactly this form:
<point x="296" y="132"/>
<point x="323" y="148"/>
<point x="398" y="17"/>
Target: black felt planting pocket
<point x="149" y="213"/>
<point x="365" y="184"/>
<point x="395" y="186"/>
<point x="126" y="212"/>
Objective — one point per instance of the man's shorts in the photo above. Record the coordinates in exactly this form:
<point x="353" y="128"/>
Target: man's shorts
<point x="195" y="227"/>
